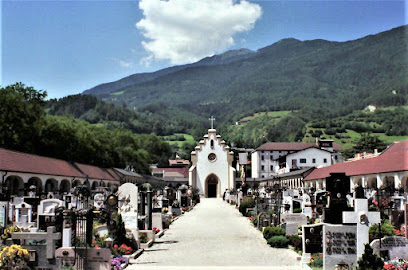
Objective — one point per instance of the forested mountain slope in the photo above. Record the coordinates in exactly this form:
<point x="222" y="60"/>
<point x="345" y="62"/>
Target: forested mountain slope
<point x="320" y="78"/>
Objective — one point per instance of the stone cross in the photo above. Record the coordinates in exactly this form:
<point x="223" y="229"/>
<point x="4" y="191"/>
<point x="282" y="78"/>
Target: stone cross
<point x="50" y="236"/>
<point x="364" y="220"/>
<point x="212" y="119"/>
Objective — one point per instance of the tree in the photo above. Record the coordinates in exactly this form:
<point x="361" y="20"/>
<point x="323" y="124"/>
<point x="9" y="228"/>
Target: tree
<point x="21" y="117"/>
<point x="369" y="260"/>
<point x="366" y="143"/>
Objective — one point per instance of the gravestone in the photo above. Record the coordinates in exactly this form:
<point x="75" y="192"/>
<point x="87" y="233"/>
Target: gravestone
<point x="157" y="220"/>
<point x="183" y="201"/>
<point x="96" y="258"/>
<point x="338" y="184"/>
<point x="339" y="246"/>
<point x="312" y="241"/>
<point x="290" y="228"/>
<point x="364" y="219"/>
<point x="312" y="238"/>
<point x="4" y="208"/>
<point x="23" y="215"/>
<point x="51" y="237"/>
<point x="233" y="198"/>
<point x="128" y="207"/>
<point x="393" y="246"/>
<point x="264" y="220"/>
<point x="99" y="200"/>
<point x="406" y="220"/>
<point x="300" y="219"/>
<point x="128" y="204"/>
<point x="292" y="221"/>
<point x="46" y="213"/>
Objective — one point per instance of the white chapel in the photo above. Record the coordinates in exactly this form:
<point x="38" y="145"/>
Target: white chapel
<point x="211" y="171"/>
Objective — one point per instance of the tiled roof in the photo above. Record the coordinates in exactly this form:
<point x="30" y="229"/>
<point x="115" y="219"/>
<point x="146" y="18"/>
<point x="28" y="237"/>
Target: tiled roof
<point x="128" y="173"/>
<point x="178" y="162"/>
<point x="301" y="172"/>
<point x="94" y="172"/>
<point x="397" y="147"/>
<point x="183" y="172"/>
<point x="113" y="173"/>
<point x="389" y="161"/>
<point x="21" y="162"/>
<point x="290" y="146"/>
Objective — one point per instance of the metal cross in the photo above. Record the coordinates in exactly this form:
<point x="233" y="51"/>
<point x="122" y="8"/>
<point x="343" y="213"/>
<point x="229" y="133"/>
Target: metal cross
<point x="212" y="119"/>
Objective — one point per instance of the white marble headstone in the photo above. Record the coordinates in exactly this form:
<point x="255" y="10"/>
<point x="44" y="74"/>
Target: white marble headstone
<point x="47" y="207"/>
<point x="128" y="204"/>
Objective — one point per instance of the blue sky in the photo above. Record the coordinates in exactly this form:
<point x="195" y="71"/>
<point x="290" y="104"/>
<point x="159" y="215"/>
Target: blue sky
<point x="66" y="47"/>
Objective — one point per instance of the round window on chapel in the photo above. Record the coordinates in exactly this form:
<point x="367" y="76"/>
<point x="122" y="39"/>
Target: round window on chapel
<point x="212" y="157"/>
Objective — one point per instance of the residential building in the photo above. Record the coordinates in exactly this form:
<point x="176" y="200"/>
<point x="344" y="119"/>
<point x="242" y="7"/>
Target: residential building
<point x="274" y="158"/>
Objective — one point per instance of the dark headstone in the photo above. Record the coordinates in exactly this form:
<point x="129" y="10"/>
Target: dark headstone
<point x="313" y="238"/>
<point x="338" y="184"/>
<point x="183" y="201"/>
<point x="360" y="192"/>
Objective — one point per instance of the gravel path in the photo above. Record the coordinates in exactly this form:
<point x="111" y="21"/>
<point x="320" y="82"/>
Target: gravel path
<point x="214" y="234"/>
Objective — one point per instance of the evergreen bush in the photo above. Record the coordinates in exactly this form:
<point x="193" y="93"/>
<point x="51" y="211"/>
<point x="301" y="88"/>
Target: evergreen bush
<point x="293" y="239"/>
<point x="369" y="260"/>
<point x="248" y="204"/>
<point x="273" y="231"/>
<point x="278" y="241"/>
<point x="386" y="230"/>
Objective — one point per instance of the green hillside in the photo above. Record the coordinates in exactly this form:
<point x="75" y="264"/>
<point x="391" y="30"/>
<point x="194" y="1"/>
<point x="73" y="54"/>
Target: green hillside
<point x="321" y="79"/>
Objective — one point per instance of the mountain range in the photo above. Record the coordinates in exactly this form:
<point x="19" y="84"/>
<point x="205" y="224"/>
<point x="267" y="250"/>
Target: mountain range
<point x="319" y="78"/>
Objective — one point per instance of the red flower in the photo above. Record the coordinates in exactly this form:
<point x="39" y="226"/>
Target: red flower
<point x="96" y="246"/>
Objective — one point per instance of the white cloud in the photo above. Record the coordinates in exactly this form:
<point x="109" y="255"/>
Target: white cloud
<point x="184" y="31"/>
<point x="123" y="63"/>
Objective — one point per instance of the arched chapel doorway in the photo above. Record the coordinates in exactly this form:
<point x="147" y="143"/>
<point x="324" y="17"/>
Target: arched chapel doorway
<point x="212" y="184"/>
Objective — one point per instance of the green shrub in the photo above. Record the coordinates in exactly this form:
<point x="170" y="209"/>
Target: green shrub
<point x="369" y="260"/>
<point x="248" y="204"/>
<point x="278" y="241"/>
<point x="273" y="231"/>
<point x="386" y="230"/>
<point x="293" y="238"/>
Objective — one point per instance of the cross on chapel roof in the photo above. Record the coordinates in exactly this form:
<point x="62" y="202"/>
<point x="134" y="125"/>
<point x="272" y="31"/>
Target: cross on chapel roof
<point x="212" y="119"/>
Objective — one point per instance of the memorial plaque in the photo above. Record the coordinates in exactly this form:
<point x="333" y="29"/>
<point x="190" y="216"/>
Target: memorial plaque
<point x="312" y="238"/>
<point x="339" y="246"/>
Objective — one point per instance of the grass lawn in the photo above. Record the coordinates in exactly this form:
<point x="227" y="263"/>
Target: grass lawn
<point x="278" y="114"/>
<point x="188" y="138"/>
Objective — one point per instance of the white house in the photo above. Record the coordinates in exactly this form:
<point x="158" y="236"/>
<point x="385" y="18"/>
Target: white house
<point x="273" y="158"/>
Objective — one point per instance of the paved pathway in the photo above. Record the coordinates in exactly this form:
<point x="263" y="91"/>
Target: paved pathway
<point x="214" y="234"/>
